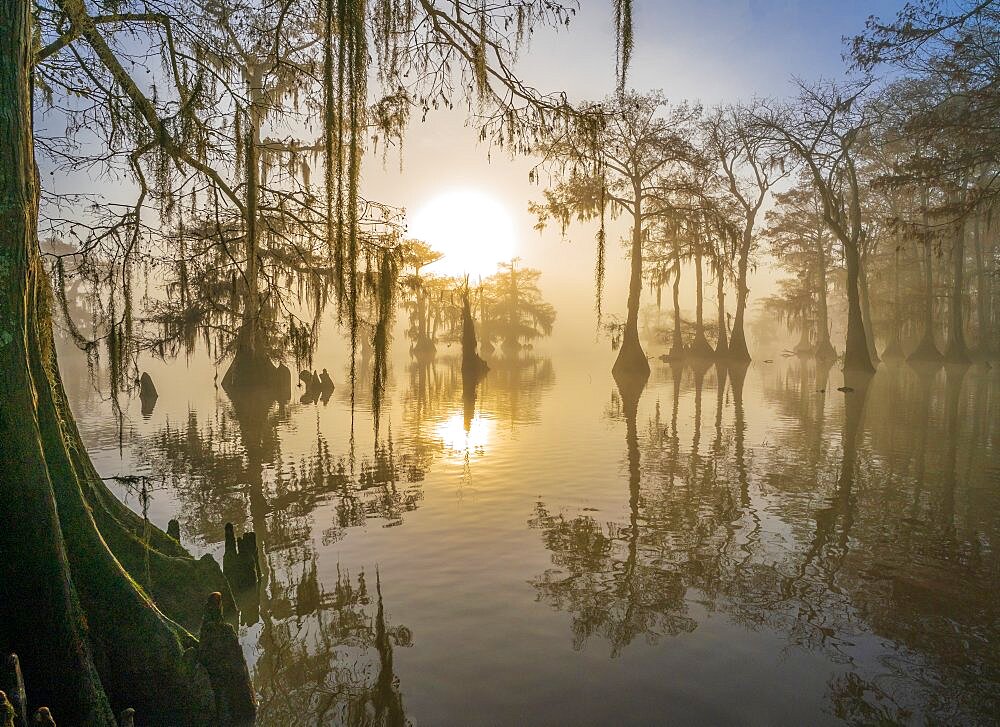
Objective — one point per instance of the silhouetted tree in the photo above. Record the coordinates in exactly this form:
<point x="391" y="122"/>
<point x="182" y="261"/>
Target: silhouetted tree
<point x="825" y="129"/>
<point x="512" y="307"/>
<point x="614" y="159"/>
<point x="750" y="168"/>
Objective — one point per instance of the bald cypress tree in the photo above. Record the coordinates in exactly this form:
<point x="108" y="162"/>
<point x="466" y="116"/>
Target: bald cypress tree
<point x="90" y="638"/>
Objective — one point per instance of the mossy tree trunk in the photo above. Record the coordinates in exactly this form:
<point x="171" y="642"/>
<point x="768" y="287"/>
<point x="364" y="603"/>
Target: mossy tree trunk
<point x="36" y="587"/>
<point x="251" y="369"/>
<point x="248" y="347"/>
<point x="90" y="639"/>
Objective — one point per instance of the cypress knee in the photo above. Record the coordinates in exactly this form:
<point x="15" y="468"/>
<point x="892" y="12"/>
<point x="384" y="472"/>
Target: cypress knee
<point x="219" y="652"/>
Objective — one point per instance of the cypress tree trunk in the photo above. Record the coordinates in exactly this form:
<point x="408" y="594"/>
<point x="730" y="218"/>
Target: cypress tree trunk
<point x="722" y="344"/>
<point x="957" y="351"/>
<point x="251" y="369"/>
<point x="701" y="348"/>
<point x="473" y="365"/>
<point x="894" y="348"/>
<point x="824" y="348"/>
<point x="677" y="346"/>
<point x="738" y="350"/>
<point x="40" y="614"/>
<point x="983" y="296"/>
<point x="927" y="350"/>
<point x="803" y="347"/>
<point x="866" y="311"/>
<point x="90" y="640"/>
<point x="856" y="355"/>
<point x="251" y="300"/>
<point x="631" y="359"/>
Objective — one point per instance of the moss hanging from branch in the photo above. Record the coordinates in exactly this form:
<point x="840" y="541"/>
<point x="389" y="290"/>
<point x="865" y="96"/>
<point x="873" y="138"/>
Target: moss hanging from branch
<point x="624" y="39"/>
<point x="599" y="266"/>
<point x="345" y="92"/>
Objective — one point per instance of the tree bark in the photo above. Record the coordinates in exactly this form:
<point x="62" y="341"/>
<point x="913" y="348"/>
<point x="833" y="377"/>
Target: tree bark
<point x="700" y="348"/>
<point x="251" y="368"/>
<point x="40" y="614"/>
<point x="856" y="355"/>
<point x="927" y="349"/>
<point x="803" y="347"/>
<point x="251" y="333"/>
<point x="677" y="344"/>
<point x="984" y="316"/>
<point x="738" y="350"/>
<point x="824" y="348"/>
<point x="631" y="359"/>
<point x="866" y="310"/>
<point x="91" y="642"/>
<point x="894" y="348"/>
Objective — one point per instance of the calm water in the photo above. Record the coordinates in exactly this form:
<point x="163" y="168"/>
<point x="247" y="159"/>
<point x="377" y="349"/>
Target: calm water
<point x="760" y="549"/>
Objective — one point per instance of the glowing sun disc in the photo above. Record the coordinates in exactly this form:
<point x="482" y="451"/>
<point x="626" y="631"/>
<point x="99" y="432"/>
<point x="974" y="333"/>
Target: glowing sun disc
<point x="473" y="230"/>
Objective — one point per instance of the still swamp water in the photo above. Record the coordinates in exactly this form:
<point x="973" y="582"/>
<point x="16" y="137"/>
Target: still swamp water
<point x="737" y="546"/>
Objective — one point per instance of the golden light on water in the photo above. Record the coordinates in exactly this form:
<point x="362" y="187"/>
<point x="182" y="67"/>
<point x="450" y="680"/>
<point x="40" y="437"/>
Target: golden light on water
<point x="458" y="440"/>
<point x="473" y="229"/>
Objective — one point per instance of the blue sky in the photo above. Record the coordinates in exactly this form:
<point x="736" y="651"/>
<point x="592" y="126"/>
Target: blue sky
<point x="712" y="50"/>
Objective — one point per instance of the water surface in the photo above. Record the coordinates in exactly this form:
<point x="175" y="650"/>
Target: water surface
<point x="739" y="547"/>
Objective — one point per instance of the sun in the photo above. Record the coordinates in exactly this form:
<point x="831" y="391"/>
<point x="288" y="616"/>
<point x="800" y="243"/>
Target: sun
<point x="472" y="229"/>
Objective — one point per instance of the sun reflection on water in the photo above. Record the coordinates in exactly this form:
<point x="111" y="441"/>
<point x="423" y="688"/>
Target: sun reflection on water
<point x="463" y="440"/>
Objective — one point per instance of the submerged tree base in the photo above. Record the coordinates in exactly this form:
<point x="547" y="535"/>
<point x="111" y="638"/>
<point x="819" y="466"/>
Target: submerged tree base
<point x="926" y="350"/>
<point x="825" y="351"/>
<point x="701" y="348"/>
<point x="721" y="352"/>
<point x="253" y="372"/>
<point x="893" y="350"/>
<point x="631" y="362"/>
<point x="738" y="351"/>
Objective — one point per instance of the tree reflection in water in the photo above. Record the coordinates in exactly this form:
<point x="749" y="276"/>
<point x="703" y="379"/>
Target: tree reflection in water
<point x="324" y="651"/>
<point x="324" y="655"/>
<point x="331" y="662"/>
<point x="861" y="528"/>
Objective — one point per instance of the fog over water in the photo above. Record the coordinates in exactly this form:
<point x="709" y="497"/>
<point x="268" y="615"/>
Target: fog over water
<point x="739" y="548"/>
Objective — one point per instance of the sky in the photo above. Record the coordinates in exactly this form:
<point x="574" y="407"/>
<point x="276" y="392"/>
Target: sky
<point x="711" y="51"/>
